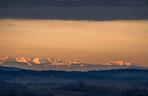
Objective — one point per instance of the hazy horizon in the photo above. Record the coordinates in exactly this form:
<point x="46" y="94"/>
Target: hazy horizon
<point x="88" y="41"/>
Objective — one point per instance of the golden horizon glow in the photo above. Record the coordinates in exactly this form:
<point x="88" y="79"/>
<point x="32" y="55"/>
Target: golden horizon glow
<point x="87" y="41"/>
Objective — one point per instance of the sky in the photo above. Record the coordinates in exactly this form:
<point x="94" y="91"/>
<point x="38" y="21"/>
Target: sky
<point x="73" y="9"/>
<point x="90" y="31"/>
<point x="90" y="41"/>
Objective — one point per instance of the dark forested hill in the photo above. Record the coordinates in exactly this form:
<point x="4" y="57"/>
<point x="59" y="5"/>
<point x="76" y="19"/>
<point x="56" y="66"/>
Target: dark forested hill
<point x="119" y="82"/>
<point x="125" y="75"/>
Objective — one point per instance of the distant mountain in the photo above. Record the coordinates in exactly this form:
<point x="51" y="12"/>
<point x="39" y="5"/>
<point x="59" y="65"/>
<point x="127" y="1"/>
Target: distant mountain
<point x="47" y="63"/>
<point x="17" y="75"/>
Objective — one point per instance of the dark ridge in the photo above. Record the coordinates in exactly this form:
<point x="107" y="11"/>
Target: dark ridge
<point x="140" y="69"/>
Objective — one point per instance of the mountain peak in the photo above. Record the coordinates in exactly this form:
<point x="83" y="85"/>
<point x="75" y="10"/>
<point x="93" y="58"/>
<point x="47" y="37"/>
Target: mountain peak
<point x="36" y="60"/>
<point x="120" y="62"/>
<point x="21" y="59"/>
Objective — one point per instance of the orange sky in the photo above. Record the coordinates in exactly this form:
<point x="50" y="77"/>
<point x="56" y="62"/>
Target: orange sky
<point x="87" y="41"/>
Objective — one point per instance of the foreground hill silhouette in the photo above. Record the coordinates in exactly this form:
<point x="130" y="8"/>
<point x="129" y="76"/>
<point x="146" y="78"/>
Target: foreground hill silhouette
<point x="117" y="82"/>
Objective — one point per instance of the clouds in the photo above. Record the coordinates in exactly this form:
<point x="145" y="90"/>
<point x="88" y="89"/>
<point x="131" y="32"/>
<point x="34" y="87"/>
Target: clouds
<point x="71" y="10"/>
<point x="57" y="3"/>
<point x="77" y="13"/>
<point x="67" y="3"/>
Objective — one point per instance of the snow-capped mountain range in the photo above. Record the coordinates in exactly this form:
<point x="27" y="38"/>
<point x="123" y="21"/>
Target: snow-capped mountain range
<point x="35" y="60"/>
<point x="47" y="63"/>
